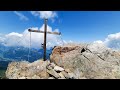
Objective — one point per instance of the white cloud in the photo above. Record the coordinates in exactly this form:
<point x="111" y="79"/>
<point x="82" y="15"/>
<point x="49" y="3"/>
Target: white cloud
<point x="45" y="14"/>
<point x="14" y="34"/>
<point x="48" y="28"/>
<point x="56" y="30"/>
<point x="98" y="41"/>
<point x="11" y="39"/>
<point x="21" y="16"/>
<point x="97" y="46"/>
<point x="113" y="41"/>
<point x="23" y="39"/>
<point x="1" y="39"/>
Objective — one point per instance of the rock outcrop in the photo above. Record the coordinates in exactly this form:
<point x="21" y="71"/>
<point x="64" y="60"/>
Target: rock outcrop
<point x="82" y="61"/>
<point x="27" y="70"/>
<point x="37" y="70"/>
<point x="89" y="61"/>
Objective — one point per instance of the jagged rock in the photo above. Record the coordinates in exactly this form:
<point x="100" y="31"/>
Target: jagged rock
<point x="53" y="73"/>
<point x="82" y="78"/>
<point x="57" y="68"/>
<point x="83" y="61"/>
<point x="49" y="67"/>
<point x="35" y="77"/>
<point x="28" y="77"/>
<point x="67" y="70"/>
<point x="35" y="70"/>
<point x="22" y="78"/>
<point x="71" y="75"/>
<point x="61" y="75"/>
<point x="51" y="78"/>
<point x="52" y="65"/>
<point x="66" y="59"/>
<point x="94" y="61"/>
<point x="62" y="78"/>
<point x="65" y="74"/>
<point x="43" y="74"/>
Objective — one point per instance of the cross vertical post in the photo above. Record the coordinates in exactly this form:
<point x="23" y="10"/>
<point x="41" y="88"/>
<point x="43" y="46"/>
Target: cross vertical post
<point x="45" y="36"/>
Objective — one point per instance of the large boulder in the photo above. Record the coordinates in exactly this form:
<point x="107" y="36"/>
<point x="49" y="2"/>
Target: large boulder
<point x="64" y="56"/>
<point x="88" y="60"/>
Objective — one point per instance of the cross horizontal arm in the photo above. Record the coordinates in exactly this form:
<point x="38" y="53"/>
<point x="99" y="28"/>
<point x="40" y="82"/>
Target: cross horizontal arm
<point x="38" y="31"/>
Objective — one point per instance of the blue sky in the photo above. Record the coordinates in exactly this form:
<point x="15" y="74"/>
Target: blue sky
<point x="82" y="26"/>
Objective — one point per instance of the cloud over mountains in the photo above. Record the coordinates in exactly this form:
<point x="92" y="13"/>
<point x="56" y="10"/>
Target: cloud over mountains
<point x="23" y="39"/>
<point x="112" y="41"/>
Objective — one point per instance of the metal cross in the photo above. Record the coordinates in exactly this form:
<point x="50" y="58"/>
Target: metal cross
<point x="45" y="35"/>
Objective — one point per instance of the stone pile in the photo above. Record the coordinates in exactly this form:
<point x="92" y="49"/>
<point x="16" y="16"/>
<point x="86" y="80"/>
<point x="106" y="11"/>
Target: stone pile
<point x="37" y="70"/>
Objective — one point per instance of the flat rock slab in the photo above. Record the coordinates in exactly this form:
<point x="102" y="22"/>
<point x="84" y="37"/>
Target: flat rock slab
<point x="53" y="73"/>
<point x="57" y="68"/>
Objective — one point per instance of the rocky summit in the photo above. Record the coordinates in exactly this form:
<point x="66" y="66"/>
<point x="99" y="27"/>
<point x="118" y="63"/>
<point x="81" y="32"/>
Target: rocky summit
<point x="71" y="61"/>
<point x="37" y="70"/>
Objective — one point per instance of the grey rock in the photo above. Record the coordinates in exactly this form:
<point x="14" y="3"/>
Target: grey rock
<point x="22" y="78"/>
<point x="93" y="60"/>
<point x="84" y="61"/>
<point x="61" y="75"/>
<point x="51" y="78"/>
<point x="49" y="67"/>
<point x="57" y="68"/>
<point x="52" y="65"/>
<point x="33" y="70"/>
<point x="71" y="75"/>
<point x="53" y="73"/>
<point x="67" y="70"/>
<point x="65" y="75"/>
